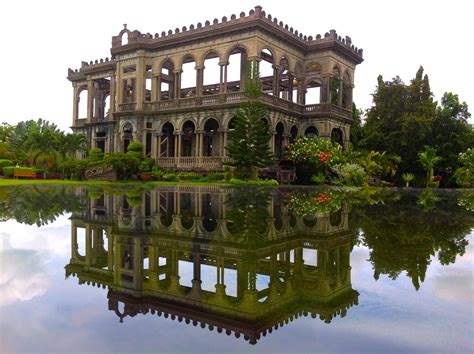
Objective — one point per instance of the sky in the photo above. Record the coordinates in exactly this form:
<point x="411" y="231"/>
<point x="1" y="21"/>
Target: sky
<point x="42" y="39"/>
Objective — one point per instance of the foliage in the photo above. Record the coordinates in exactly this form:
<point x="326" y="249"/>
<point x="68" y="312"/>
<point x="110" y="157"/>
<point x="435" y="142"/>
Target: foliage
<point x="318" y="178"/>
<point x="248" y="214"/>
<point x="5" y="163"/>
<point x="429" y="159"/>
<point x="38" y="205"/>
<point x="312" y="156"/>
<point x="73" y="168"/>
<point x="357" y="132"/>
<point x="261" y="182"/>
<point x="350" y="174"/>
<point x="414" y="235"/>
<point x="314" y="152"/>
<point x="95" y="156"/>
<point x="404" y="118"/>
<point x="451" y="134"/>
<point x="125" y="165"/>
<point x="248" y="147"/>
<point x="308" y="204"/>
<point x="8" y="171"/>
<point x="465" y="174"/>
<point x="407" y="178"/>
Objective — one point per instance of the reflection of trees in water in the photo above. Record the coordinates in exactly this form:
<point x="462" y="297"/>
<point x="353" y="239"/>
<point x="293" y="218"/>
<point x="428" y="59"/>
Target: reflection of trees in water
<point x="402" y="235"/>
<point x="248" y="214"/>
<point x="38" y="205"/>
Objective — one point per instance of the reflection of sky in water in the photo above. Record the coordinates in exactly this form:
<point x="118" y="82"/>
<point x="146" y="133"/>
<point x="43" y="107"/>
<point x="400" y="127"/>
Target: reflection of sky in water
<point x="40" y="311"/>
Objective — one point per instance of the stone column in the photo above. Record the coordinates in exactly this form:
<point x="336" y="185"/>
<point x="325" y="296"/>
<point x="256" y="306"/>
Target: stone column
<point x="221" y="78"/>
<point x="224" y="143"/>
<point x="74" y="245"/>
<point x="110" y="250"/>
<point x="177" y="83"/>
<point x="176" y="143"/>
<point x="276" y="80"/>
<point x="90" y="99"/>
<point x="226" y="65"/>
<point x="325" y="94"/>
<point x="113" y="93"/>
<point x="75" y="106"/>
<point x="154" y="89"/>
<point x="158" y="88"/>
<point x="140" y="83"/>
<point x="341" y="88"/>
<point x="199" y="80"/>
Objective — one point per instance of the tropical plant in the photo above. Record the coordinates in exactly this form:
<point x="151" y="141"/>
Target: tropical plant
<point x="429" y="159"/>
<point x="465" y="174"/>
<point x="407" y="178"/>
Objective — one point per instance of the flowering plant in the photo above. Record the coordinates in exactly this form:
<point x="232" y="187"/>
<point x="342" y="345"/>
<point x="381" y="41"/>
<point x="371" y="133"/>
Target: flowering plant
<point x="314" y="151"/>
<point x="313" y="203"/>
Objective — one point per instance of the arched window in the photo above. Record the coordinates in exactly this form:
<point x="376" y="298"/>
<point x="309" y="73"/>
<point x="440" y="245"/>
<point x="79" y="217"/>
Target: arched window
<point x="311" y="132"/>
<point x="337" y="136"/>
<point x="188" y="140"/>
<point x="211" y="74"/>
<point x="211" y="141"/>
<point x="188" y="77"/>
<point x="279" y="140"/>
<point x="237" y="70"/>
<point x="266" y="71"/>
<point x="167" y="140"/>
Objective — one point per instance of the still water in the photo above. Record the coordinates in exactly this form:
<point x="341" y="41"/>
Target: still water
<point x="215" y="269"/>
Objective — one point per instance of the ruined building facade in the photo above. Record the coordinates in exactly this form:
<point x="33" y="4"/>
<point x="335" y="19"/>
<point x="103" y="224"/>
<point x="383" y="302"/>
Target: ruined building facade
<point x="177" y="92"/>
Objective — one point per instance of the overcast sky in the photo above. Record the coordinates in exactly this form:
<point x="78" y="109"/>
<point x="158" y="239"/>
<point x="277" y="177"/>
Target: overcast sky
<point x="42" y="39"/>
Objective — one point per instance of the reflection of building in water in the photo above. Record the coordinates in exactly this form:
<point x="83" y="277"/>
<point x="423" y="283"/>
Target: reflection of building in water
<point x="180" y="252"/>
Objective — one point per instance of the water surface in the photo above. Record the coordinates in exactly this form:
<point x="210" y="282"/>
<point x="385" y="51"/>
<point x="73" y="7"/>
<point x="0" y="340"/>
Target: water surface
<point x="211" y="269"/>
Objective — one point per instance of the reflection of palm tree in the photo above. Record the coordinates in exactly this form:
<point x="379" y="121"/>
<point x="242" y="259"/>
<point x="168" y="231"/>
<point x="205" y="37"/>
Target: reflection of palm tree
<point x="41" y="205"/>
<point x="428" y="200"/>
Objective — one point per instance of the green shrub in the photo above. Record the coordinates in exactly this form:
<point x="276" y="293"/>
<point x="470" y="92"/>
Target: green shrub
<point x="189" y="176"/>
<point x="170" y="177"/>
<point x="268" y="182"/>
<point x="95" y="155"/>
<point x="146" y="165"/>
<point x="73" y="168"/>
<point x="213" y="177"/>
<point x="5" y="163"/>
<point x="350" y="174"/>
<point x="318" y="179"/>
<point x="8" y="171"/>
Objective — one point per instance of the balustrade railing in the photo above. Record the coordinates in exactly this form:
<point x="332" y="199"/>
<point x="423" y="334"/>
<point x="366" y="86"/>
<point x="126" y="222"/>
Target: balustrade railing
<point x="210" y="163"/>
<point x="236" y="97"/>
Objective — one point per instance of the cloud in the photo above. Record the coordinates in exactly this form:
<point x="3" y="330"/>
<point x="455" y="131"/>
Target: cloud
<point x="22" y="277"/>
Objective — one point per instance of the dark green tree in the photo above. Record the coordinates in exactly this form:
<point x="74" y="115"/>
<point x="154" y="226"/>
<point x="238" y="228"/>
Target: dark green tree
<point x="451" y="135"/>
<point x="249" y="148"/>
<point x="400" y="120"/>
<point x="357" y="133"/>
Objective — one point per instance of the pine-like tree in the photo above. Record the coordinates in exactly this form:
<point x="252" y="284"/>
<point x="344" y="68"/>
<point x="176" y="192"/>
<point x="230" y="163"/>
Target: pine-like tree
<point x="249" y="148"/>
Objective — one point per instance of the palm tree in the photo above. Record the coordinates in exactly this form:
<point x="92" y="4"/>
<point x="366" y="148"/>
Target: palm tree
<point x="429" y="159"/>
<point x="72" y="143"/>
<point x="407" y="178"/>
<point x="42" y="144"/>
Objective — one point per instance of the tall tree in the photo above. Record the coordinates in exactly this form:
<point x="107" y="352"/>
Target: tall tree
<point x="249" y="148"/>
<point x="400" y="120"/>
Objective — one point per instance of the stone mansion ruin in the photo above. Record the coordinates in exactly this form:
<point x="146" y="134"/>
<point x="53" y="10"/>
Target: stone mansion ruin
<point x="177" y="92"/>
